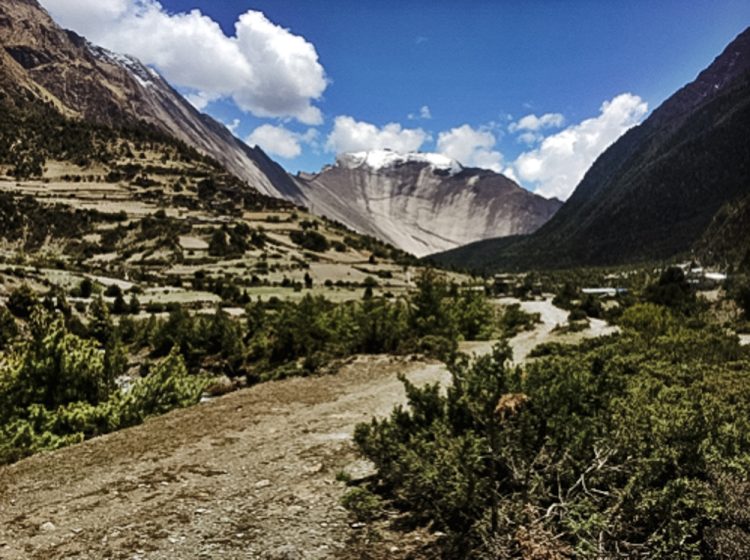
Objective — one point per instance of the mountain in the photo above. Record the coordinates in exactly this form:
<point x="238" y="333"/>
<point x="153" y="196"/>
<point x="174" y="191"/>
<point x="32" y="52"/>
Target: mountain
<point x="421" y="203"/>
<point x="86" y="81"/>
<point x="664" y="189"/>
<point x="414" y="204"/>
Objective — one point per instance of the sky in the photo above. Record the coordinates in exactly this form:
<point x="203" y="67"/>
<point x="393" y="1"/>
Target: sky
<point x="533" y="89"/>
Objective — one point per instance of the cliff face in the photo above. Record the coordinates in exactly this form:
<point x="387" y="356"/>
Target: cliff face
<point x="422" y="203"/>
<point x="92" y="83"/>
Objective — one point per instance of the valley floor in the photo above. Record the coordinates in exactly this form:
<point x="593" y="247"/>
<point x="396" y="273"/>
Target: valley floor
<point x="249" y="475"/>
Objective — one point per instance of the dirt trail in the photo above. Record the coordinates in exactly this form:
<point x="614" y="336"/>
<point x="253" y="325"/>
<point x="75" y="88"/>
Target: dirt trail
<point x="551" y="317"/>
<point x="249" y="475"/>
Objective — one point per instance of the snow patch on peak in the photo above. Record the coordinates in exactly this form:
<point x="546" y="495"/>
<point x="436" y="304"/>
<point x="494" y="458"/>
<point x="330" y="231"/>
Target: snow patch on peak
<point x="140" y="72"/>
<point x="381" y="159"/>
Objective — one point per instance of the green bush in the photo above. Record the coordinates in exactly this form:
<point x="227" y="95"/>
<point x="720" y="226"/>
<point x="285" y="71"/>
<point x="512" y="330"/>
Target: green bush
<point x="514" y="320"/>
<point x="22" y="301"/>
<point x="363" y="504"/>
<point x="624" y="444"/>
<point x="166" y="387"/>
<point x="59" y="389"/>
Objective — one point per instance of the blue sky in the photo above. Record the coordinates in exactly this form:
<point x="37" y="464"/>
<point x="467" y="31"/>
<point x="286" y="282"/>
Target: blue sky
<point x="477" y="67"/>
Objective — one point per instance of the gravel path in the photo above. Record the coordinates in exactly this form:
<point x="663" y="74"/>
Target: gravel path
<point x="248" y="475"/>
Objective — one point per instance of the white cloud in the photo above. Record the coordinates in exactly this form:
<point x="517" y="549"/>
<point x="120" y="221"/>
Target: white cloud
<point x="199" y="99"/>
<point x="80" y="15"/>
<point x="280" y="141"/>
<point x="233" y="126"/>
<point x="350" y="135"/>
<point x="471" y="147"/>
<point x="265" y="68"/>
<point x="510" y="173"/>
<point x="534" y="123"/>
<point x="562" y="159"/>
<point x="424" y="114"/>
<point x="530" y="137"/>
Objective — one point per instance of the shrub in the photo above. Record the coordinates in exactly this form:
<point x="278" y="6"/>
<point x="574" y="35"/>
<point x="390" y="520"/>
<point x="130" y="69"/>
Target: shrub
<point x="514" y="319"/>
<point x="363" y="504"/>
<point x="166" y="387"/>
<point x="310" y="239"/>
<point x="22" y="301"/>
<point x="624" y="443"/>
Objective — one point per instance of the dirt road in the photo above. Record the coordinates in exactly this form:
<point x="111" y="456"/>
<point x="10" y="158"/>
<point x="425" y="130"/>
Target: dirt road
<point x="552" y="317"/>
<point x="249" y="475"/>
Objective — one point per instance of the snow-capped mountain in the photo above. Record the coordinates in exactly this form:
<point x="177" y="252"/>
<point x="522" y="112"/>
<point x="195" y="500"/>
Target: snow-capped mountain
<point x="380" y="159"/>
<point x="87" y="81"/>
<point x="421" y="202"/>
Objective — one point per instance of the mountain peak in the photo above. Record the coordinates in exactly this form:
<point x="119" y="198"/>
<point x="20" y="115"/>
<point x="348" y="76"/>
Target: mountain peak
<point x="381" y="159"/>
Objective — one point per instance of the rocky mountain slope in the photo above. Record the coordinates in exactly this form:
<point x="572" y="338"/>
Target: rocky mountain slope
<point x="654" y="193"/>
<point x="422" y="203"/>
<point x="82" y="80"/>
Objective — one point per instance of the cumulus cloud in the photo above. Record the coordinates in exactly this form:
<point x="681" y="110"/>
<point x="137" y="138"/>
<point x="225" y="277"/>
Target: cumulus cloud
<point x="557" y="165"/>
<point x="85" y="14"/>
<point x="424" y="114"/>
<point x="280" y="141"/>
<point x="530" y="137"/>
<point x="350" y="135"/>
<point x="471" y="147"/>
<point x="265" y="68"/>
<point x="534" y="123"/>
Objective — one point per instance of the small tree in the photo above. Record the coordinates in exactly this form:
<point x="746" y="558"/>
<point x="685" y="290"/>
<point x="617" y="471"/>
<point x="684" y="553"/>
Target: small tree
<point x="741" y="295"/>
<point x="113" y="291"/>
<point x="22" y="301"/>
<point x="134" y="305"/>
<point x="218" y="246"/>
<point x="8" y="328"/>
<point x="119" y="307"/>
<point x="100" y="324"/>
<point x="85" y="288"/>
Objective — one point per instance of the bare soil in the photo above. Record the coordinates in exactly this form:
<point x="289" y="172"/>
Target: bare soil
<point x="248" y="475"/>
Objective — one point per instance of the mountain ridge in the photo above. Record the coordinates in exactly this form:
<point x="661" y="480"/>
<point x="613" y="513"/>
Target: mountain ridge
<point x="421" y="202"/>
<point x="87" y="81"/>
<point x="652" y="193"/>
